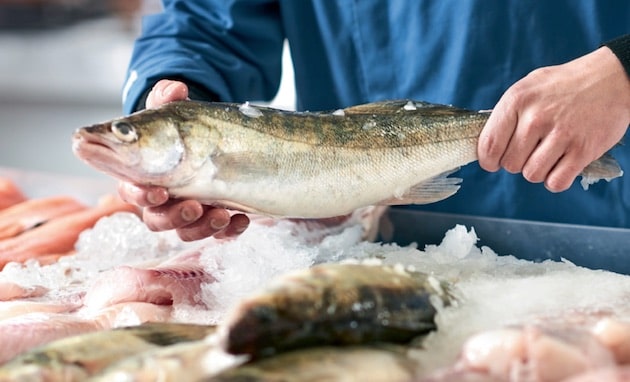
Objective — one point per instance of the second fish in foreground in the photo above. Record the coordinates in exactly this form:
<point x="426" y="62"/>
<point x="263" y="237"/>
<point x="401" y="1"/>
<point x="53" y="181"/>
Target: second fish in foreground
<point x="335" y="304"/>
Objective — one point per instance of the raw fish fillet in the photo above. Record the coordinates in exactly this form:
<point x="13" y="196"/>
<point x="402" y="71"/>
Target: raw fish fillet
<point x="17" y="308"/>
<point x="34" y="212"/>
<point x="542" y="352"/>
<point x="10" y="291"/>
<point x="176" y="281"/>
<point x="10" y="194"/>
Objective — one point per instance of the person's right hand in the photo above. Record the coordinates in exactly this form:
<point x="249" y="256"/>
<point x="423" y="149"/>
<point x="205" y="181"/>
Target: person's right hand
<point x="191" y="219"/>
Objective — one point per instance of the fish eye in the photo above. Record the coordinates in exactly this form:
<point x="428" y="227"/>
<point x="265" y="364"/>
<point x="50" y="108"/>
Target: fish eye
<point x="124" y="131"/>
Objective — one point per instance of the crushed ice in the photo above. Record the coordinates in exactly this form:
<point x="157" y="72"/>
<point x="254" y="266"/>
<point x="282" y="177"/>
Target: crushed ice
<point x="494" y="291"/>
<point x="116" y="240"/>
<point x="410" y="106"/>
<point x="250" y="110"/>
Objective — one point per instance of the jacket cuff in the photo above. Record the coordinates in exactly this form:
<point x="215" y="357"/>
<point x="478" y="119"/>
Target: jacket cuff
<point x="621" y="48"/>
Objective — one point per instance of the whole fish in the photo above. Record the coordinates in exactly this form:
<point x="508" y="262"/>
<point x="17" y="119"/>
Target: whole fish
<point x="294" y="164"/>
<point x="77" y="357"/>
<point x="334" y="304"/>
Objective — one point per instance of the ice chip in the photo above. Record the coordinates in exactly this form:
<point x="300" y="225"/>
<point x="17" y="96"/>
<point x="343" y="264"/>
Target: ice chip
<point x="410" y="106"/>
<point x="457" y="244"/>
<point x="250" y="110"/>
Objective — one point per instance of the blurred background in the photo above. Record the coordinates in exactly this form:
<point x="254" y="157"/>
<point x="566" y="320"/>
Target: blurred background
<point x="62" y="66"/>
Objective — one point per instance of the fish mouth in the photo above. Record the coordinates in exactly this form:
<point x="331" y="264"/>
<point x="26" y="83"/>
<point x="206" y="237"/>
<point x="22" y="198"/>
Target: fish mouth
<point x="100" y="153"/>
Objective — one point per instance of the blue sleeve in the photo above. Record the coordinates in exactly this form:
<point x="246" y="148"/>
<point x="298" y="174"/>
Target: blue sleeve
<point x="231" y="49"/>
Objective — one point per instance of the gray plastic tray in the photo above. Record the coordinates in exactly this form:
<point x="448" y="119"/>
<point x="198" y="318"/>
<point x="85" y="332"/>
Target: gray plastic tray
<point x="587" y="246"/>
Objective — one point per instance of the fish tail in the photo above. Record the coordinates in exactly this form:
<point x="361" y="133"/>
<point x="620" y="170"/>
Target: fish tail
<point x="606" y="167"/>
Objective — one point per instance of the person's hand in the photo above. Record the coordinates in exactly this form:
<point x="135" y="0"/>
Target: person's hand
<point x="558" y="119"/>
<point x="191" y="219"/>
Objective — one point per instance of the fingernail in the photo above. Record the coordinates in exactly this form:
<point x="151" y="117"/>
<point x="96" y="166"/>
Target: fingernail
<point x="188" y="214"/>
<point x="219" y="224"/>
<point x="153" y="197"/>
<point x="168" y="89"/>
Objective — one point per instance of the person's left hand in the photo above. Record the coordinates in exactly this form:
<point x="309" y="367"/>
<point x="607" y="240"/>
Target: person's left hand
<point x="558" y="119"/>
<point x="188" y="217"/>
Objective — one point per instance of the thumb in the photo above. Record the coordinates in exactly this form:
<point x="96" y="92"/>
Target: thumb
<point x="165" y="91"/>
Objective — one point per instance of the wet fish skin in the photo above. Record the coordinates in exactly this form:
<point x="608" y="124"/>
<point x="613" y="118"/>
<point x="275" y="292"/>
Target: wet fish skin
<point x="386" y="363"/>
<point x="334" y="304"/>
<point x="301" y="164"/>
<point x="78" y="357"/>
<point x="182" y="362"/>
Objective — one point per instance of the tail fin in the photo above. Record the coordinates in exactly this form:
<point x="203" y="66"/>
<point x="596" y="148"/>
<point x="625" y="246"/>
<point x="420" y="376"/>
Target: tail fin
<point x="605" y="168"/>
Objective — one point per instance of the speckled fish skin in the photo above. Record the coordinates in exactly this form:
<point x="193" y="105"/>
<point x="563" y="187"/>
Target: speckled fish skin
<point x="384" y="363"/>
<point x="182" y="362"/>
<point x="334" y="304"/>
<point x="78" y="357"/>
<point x="300" y="164"/>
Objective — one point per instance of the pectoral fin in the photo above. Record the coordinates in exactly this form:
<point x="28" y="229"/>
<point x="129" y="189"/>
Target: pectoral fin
<point x="431" y="190"/>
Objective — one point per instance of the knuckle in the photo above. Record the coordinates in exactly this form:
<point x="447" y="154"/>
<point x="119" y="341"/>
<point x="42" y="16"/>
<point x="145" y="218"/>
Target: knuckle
<point x="534" y="124"/>
<point x="492" y="150"/>
<point x="518" y="94"/>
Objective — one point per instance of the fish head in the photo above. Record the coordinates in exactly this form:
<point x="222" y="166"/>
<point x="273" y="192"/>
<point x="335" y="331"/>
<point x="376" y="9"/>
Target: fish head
<point x="162" y="147"/>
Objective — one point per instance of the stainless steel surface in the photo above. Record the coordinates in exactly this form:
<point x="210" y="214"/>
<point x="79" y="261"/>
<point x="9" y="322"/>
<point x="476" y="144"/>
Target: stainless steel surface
<point x="588" y="246"/>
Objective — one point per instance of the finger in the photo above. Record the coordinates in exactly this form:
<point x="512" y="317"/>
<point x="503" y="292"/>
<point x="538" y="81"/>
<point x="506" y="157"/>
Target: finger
<point x="564" y="173"/>
<point x="212" y="221"/>
<point x="496" y="136"/>
<point x="525" y="139"/>
<point x="165" y="91"/>
<point x="173" y="214"/>
<point x="238" y="224"/>
<point x="543" y="159"/>
<point x="143" y="196"/>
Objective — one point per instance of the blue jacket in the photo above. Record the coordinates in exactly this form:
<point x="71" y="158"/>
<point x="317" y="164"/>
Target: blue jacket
<point x="347" y="52"/>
